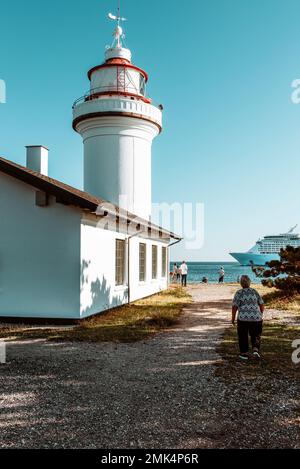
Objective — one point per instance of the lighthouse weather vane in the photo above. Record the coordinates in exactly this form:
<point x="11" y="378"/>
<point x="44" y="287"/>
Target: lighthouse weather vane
<point x="118" y="32"/>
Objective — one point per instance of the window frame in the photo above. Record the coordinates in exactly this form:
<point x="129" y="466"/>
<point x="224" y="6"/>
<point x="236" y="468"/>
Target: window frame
<point x="142" y="273"/>
<point x="154" y="262"/>
<point x="120" y="268"/>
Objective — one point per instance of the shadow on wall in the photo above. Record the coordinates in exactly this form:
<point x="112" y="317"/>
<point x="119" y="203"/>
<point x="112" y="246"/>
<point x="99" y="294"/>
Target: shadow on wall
<point x="96" y="295"/>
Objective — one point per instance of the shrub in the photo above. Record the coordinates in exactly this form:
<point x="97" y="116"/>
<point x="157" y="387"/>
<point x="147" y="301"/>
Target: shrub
<point x="283" y="274"/>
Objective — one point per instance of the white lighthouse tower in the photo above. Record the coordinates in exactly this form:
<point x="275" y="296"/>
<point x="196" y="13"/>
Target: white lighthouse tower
<point x="118" y="124"/>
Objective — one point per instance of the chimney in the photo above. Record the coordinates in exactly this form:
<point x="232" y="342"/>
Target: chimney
<point x="37" y="159"/>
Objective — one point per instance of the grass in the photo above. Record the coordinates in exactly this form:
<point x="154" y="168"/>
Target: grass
<point x="277" y="299"/>
<point x="261" y="396"/>
<point x="129" y="323"/>
<point x="277" y="340"/>
<point x="276" y="353"/>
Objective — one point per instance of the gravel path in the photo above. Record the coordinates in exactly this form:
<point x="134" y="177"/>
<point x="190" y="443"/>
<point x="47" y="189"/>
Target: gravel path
<point x="161" y="393"/>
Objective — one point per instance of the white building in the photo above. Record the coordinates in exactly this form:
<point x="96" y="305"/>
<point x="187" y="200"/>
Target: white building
<point x="66" y="253"/>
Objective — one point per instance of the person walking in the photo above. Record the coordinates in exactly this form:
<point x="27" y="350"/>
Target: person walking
<point x="250" y="307"/>
<point x="221" y="275"/>
<point x="184" y="271"/>
<point x="175" y="273"/>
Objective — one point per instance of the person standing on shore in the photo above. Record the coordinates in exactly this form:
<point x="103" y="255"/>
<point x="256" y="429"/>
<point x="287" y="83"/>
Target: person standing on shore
<point x="178" y="276"/>
<point x="184" y="271"/>
<point x="250" y="307"/>
<point x="221" y="275"/>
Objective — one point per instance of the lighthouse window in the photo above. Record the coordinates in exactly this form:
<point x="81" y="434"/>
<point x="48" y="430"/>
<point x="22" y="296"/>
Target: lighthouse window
<point x="154" y="262"/>
<point x="142" y="85"/>
<point x="120" y="261"/>
<point x="142" y="262"/>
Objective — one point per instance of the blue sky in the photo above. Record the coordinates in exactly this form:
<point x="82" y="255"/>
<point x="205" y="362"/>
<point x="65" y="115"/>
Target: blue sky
<point x="223" y="70"/>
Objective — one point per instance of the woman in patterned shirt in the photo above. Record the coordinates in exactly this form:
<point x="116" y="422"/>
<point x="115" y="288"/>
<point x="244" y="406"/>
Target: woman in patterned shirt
<point x="250" y="307"/>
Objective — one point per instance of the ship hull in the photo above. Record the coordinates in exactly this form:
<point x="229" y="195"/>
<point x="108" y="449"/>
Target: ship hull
<point x="248" y="258"/>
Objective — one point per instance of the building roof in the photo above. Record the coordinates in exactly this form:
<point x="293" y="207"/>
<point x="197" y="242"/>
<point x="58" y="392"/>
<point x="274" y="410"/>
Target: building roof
<point x="69" y="195"/>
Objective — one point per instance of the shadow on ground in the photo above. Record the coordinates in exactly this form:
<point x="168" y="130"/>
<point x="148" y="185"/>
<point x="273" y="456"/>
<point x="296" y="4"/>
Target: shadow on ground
<point x="161" y="393"/>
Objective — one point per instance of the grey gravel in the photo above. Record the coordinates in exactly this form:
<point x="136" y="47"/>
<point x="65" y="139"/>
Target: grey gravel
<point x="160" y="393"/>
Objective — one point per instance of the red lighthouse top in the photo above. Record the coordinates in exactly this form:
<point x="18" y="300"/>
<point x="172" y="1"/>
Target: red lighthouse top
<point x="117" y="75"/>
<point x="118" y="62"/>
<point x="117" y="88"/>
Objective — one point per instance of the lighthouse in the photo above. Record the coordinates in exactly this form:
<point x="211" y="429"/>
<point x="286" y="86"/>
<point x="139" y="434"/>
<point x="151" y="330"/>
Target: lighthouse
<point x="83" y="256"/>
<point x="118" y="122"/>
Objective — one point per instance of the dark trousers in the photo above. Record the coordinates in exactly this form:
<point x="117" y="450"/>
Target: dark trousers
<point x="246" y="328"/>
<point x="183" y="280"/>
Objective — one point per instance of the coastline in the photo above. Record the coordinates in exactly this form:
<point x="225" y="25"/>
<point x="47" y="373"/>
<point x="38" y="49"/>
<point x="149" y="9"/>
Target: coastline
<point x="198" y="270"/>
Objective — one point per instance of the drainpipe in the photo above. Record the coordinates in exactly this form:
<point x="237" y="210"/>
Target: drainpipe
<point x="172" y="244"/>
<point x="175" y="242"/>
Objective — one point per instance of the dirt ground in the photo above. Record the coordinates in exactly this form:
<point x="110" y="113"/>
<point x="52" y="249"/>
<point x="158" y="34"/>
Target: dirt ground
<point x="160" y="393"/>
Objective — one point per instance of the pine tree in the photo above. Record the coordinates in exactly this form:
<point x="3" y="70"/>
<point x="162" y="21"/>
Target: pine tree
<point x="283" y="274"/>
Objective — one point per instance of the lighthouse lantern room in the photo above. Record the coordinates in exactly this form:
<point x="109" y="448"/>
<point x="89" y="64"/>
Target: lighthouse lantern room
<point x="118" y="124"/>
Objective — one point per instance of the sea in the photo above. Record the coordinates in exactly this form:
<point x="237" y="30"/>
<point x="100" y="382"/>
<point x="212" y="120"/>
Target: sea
<point x="233" y="271"/>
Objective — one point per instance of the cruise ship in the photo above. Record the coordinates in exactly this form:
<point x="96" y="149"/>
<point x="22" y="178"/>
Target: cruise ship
<point x="267" y="249"/>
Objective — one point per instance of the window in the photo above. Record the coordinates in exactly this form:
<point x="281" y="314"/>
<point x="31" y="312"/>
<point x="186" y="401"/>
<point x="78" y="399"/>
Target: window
<point x="142" y="262"/>
<point x="142" y="85"/>
<point x="120" y="261"/>
<point x="163" y="261"/>
<point x="154" y="262"/>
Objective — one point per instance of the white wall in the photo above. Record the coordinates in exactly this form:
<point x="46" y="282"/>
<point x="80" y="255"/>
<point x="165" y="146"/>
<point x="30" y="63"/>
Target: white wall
<point x="150" y="286"/>
<point x="98" y="292"/>
<point x="39" y="255"/>
<point x="98" y="289"/>
<point x="117" y="161"/>
<point x="53" y="264"/>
